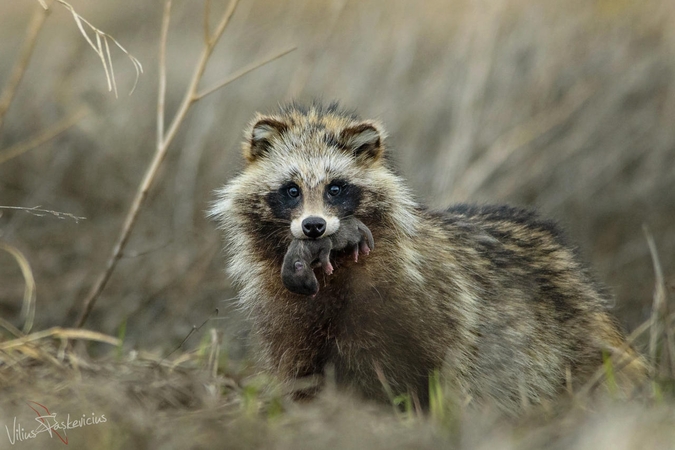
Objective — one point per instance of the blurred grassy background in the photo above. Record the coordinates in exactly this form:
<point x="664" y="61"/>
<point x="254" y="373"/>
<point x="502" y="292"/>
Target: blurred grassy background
<point x="566" y="105"/>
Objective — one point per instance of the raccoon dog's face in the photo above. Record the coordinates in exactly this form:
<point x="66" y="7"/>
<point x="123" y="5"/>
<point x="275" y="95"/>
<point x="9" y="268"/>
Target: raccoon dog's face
<point x="306" y="171"/>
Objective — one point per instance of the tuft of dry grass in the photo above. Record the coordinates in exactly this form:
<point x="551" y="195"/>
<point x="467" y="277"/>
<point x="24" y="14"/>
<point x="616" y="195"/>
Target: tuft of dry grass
<point x="193" y="399"/>
<point x="100" y="44"/>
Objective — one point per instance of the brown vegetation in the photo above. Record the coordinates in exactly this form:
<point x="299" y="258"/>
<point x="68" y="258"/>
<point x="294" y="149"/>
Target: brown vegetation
<point x="567" y="106"/>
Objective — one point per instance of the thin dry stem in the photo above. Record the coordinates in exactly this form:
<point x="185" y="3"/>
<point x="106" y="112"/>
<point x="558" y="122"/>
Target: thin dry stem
<point x="61" y="333"/>
<point x="32" y="31"/>
<point x="109" y="59"/>
<point x="11" y="328"/>
<point x="161" y="96"/>
<point x="44" y="136"/>
<point x="659" y="329"/>
<point x="214" y="352"/>
<point x="384" y="383"/>
<point x="29" y="295"/>
<point x="190" y="95"/>
<point x="220" y="28"/>
<point x="194" y="329"/>
<point x="39" y="212"/>
<point x="207" y="18"/>
<point x="241" y="72"/>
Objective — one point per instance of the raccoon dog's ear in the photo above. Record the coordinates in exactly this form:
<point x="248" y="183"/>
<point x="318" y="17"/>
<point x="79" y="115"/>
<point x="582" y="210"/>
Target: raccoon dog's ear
<point x="363" y="140"/>
<point x="263" y="132"/>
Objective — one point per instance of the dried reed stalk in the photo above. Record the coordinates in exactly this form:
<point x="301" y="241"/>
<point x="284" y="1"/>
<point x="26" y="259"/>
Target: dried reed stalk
<point x="660" y="330"/>
<point x="28" y="306"/>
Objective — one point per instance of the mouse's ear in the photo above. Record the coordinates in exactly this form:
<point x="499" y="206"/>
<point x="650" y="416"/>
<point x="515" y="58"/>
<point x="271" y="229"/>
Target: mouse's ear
<point x="363" y="140"/>
<point x="264" y="131"/>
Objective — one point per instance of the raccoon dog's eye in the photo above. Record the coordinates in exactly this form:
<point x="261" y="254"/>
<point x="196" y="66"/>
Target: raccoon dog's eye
<point x="293" y="191"/>
<point x="334" y="190"/>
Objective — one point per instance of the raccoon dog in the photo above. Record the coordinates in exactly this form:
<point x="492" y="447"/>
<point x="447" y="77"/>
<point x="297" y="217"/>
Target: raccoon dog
<point x="491" y="297"/>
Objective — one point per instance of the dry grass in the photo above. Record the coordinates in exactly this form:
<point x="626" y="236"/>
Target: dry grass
<point x="565" y="105"/>
<point x="196" y="399"/>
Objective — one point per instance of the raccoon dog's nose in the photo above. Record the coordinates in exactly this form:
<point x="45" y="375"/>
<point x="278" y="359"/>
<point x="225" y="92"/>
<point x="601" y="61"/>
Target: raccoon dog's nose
<point x="313" y="227"/>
